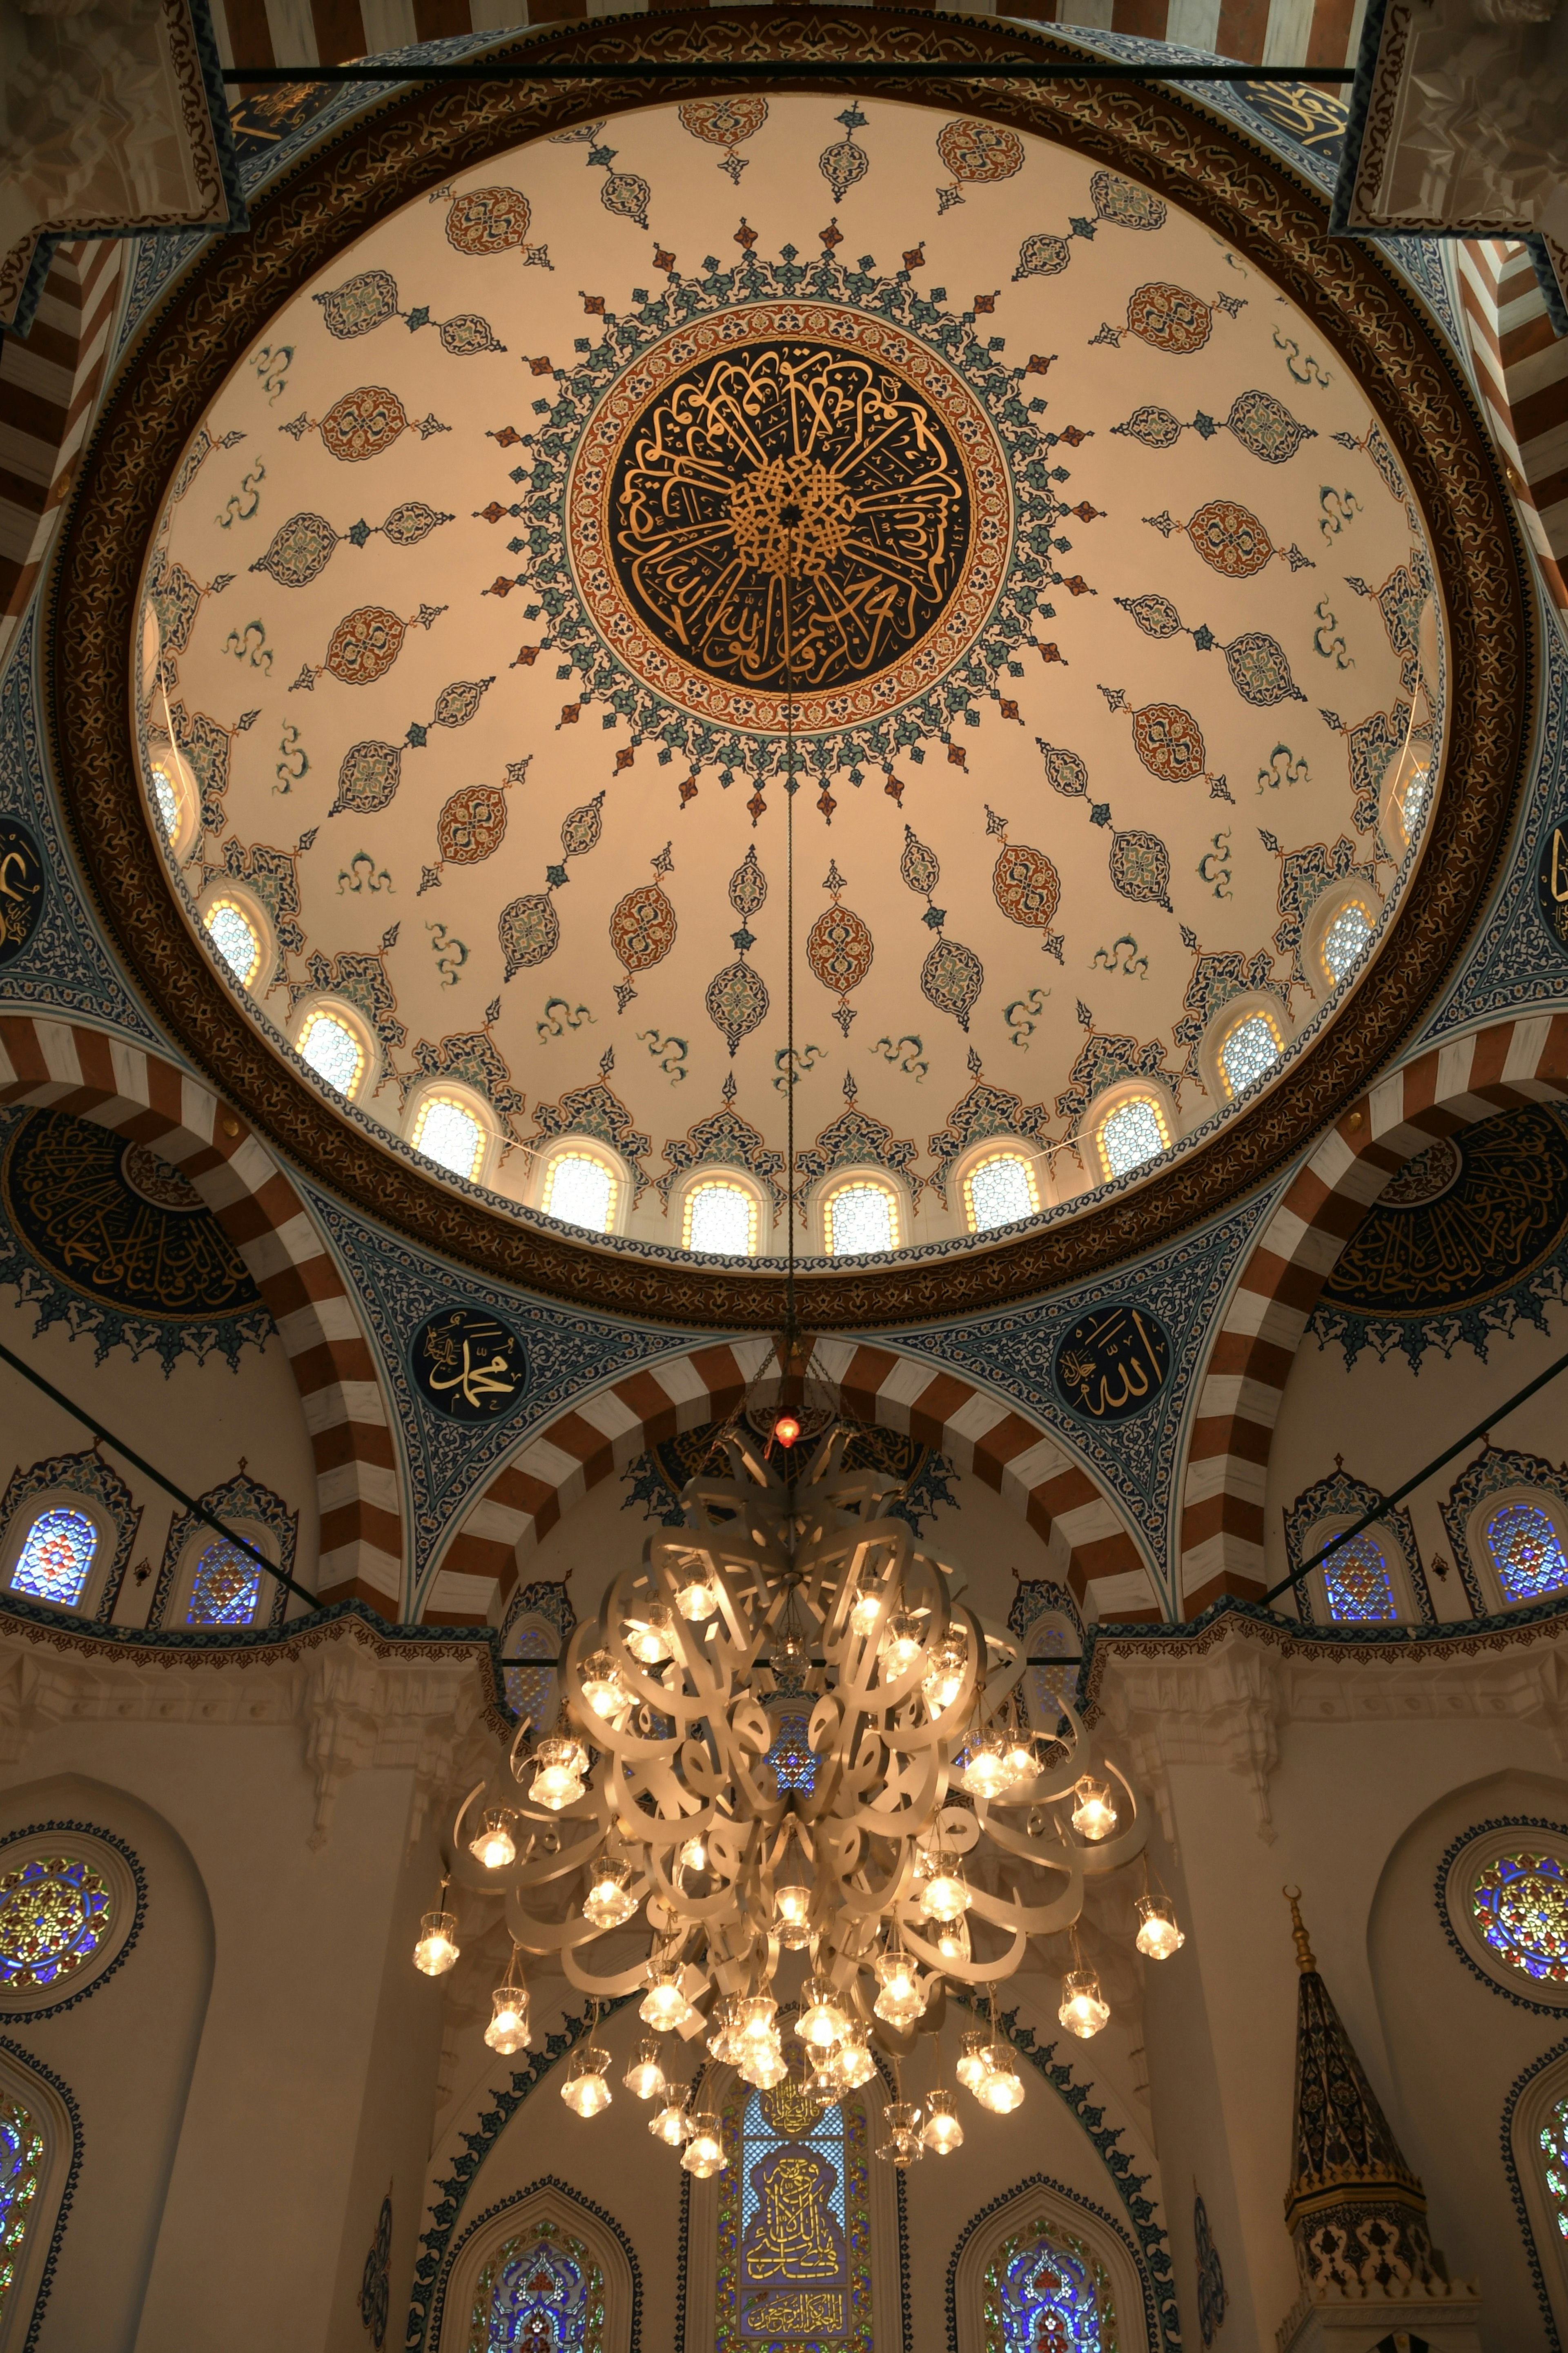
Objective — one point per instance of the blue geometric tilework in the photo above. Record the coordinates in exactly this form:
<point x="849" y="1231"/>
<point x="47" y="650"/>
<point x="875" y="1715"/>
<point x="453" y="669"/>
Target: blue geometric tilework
<point x="1013" y="1354"/>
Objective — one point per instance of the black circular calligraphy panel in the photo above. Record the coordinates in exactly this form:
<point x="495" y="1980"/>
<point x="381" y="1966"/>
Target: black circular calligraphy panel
<point x="1551" y="884"/>
<point x="21" y="888"/>
<point x="469" y="1365"/>
<point x="1112" y="1363"/>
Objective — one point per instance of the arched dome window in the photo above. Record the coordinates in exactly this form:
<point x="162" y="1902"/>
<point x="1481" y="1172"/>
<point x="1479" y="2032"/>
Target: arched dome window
<point x="226" y="1587"/>
<point x="540" y="2292"/>
<point x="236" y="938"/>
<point x="582" y="1189"/>
<point x="1346" y="941"/>
<point x="1554" y="2164"/>
<point x="861" y="1215"/>
<point x="1049" y="2293"/>
<point x="721" y="1216"/>
<point x="21" y="2162"/>
<point x="1360" y="1589"/>
<point x="1249" y="1047"/>
<point x="56" y="1558"/>
<point x="166" y="799"/>
<point x="1135" y="1131"/>
<point x="1526" y="1551"/>
<point x="448" y="1132"/>
<point x="333" y="1051"/>
<point x="999" y="1189"/>
<point x="1415" y="794"/>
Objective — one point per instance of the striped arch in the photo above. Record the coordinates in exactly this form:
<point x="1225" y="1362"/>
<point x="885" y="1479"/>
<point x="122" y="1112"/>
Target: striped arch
<point x="1452" y="1086"/>
<point x="1087" y="1544"/>
<point x="1521" y="368"/>
<point x="74" y="1068"/>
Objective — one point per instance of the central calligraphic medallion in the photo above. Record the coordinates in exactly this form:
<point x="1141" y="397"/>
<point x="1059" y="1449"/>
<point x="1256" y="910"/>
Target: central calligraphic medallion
<point x="790" y="496"/>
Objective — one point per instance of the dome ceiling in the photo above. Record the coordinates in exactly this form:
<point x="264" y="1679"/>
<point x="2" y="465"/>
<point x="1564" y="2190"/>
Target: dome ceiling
<point x="590" y="503"/>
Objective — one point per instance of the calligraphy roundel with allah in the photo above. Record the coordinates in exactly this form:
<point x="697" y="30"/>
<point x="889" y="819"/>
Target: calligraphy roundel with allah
<point x="469" y="1365"/>
<point x="790" y="498"/>
<point x="1113" y="1362"/>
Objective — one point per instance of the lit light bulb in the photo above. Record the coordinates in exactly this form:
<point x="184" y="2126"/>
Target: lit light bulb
<point x="786" y="1428"/>
<point x="664" y="2005"/>
<point x="436" y="1950"/>
<point x="864" y="1607"/>
<point x="693" y="1854"/>
<point x="585" y="2092"/>
<point x="852" y="2061"/>
<point x="901" y="1646"/>
<point x="669" y="2124"/>
<point x="945" y="1895"/>
<point x="1094" y="1816"/>
<point x="953" y="1940"/>
<point x="1084" y="2011"/>
<point x="824" y="2084"/>
<point x="945" y="1680"/>
<point x="723" y="2042"/>
<point x="604" y="1689"/>
<point x="704" y="2152"/>
<point x="508" y="2029"/>
<point x="559" y="1767"/>
<point x="762" y="2062"/>
<point x="791" y="1654"/>
<point x="986" y="1768"/>
<point x="1001" y="2088"/>
<point x="822" y="2021"/>
<point x="492" y="1842"/>
<point x="609" y="1900"/>
<point x="643" y="2079"/>
<point x="902" y="2146"/>
<point x="1158" y="1935"/>
<point x="791" y="1918"/>
<point x="900" y="1997"/>
<point x="754" y="2018"/>
<point x="650" y="1638"/>
<point x="1018" y="1756"/>
<point x="694" y="1596"/>
<point x="973" y="2058"/>
<point x="942" y="2132"/>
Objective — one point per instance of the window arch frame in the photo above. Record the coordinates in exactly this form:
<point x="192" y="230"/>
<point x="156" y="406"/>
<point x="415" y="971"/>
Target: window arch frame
<point x="1247" y="1005"/>
<point x="1001" y="1147"/>
<point x="163" y="753"/>
<point x="851" y="1178"/>
<point x="544" y="2199"/>
<point x="1501" y="1475"/>
<point x="1322" y="1532"/>
<point x="575" y="1146"/>
<point x="1327" y="909"/>
<point x="1111" y="1099"/>
<point x="1040" y="2195"/>
<point x="224" y="891"/>
<point x="1542" y="1500"/>
<point x="80" y="1483"/>
<point x="348" y="1017"/>
<point x="1468" y="1855"/>
<point x="466" y="1100"/>
<point x="52" y="2106"/>
<point x="718" y="1173"/>
<point x="254" y="1512"/>
<point x="122" y="1866"/>
<point x="1324" y="1510"/>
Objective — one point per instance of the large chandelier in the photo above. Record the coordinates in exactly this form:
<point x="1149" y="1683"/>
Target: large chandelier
<point x="937" y="1836"/>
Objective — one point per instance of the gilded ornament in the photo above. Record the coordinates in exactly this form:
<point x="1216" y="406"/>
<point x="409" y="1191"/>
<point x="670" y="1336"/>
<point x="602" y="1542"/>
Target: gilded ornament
<point x="528" y="932"/>
<point x="468" y="1365"/>
<point x="1113" y="1363"/>
<point x="21" y="888"/>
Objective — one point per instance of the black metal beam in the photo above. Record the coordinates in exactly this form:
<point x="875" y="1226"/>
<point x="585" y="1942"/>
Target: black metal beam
<point x="783" y="70"/>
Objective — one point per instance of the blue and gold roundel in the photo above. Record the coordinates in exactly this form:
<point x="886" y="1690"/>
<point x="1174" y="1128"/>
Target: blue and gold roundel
<point x="21" y="888"/>
<point x="468" y="1365"/>
<point x="1113" y="1362"/>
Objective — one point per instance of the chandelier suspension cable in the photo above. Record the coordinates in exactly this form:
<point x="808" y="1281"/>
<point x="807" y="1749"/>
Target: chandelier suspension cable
<point x="791" y="1327"/>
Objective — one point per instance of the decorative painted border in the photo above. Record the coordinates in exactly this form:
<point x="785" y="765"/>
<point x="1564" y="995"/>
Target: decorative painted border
<point x="516" y="2198"/>
<point x="100" y="1975"/>
<point x="1074" y="2198"/>
<point x="394" y="152"/>
<point x="67" y="2195"/>
<point x="1440" y="1896"/>
<point x="1516" y="2188"/>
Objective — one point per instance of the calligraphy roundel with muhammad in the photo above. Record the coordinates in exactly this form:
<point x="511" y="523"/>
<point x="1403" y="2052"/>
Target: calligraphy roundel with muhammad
<point x="468" y="1365"/>
<point x="790" y="498"/>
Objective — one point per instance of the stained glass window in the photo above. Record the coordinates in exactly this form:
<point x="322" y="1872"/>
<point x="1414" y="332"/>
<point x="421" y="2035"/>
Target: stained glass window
<point x="1131" y="1135"/>
<point x="795" y="2238"/>
<point x="234" y="936"/>
<point x="540" y="2292"/>
<point x="1519" y="1906"/>
<point x="531" y="1690"/>
<point x="792" y="1762"/>
<point x="1413" y="806"/>
<point x="55" y="1912"/>
<point x="449" y="1136"/>
<point x="333" y="1050"/>
<point x="999" y="1189"/>
<point x="21" y="2155"/>
<point x="1249" y="1050"/>
<point x="721" y="1217"/>
<point x="1360" y="1589"/>
<point x="1048" y="2293"/>
<point x="1527" y="1552"/>
<point x="166" y="801"/>
<point x="1554" y="2150"/>
<point x="582" y="1188"/>
<point x="56" y="1557"/>
<point x="1345" y="940"/>
<point x="223" y="1592"/>
<point x="861" y="1217"/>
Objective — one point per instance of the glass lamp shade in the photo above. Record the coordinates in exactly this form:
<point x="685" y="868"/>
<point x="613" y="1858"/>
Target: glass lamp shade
<point x="558" y="1769"/>
<point x="824" y="2084"/>
<point x="694" y="1596"/>
<point x="650" y="1639"/>
<point x="1001" y="2088"/>
<point x="1093" y="1814"/>
<point x="822" y="2021"/>
<point x="973" y="2058"/>
<point x="754" y="2018"/>
<point x="852" y="2061"/>
<point x="664" y="2005"/>
<point x="985" y="1771"/>
<point x="436" y="1950"/>
<point x="492" y="1844"/>
<point x="900" y="1997"/>
<point x="585" y="2091"/>
<point x="723" y="2042"/>
<point x="902" y="2145"/>
<point x="863" y="1610"/>
<point x="902" y="1646"/>
<point x="1018" y="1756"/>
<point x="609" y="1900"/>
<point x="669" y="2122"/>
<point x="791" y="1918"/>
<point x="1158" y="1935"/>
<point x="941" y="2132"/>
<point x="953" y="1940"/>
<point x="762" y="2062"/>
<point x="945" y="1895"/>
<point x="693" y="1853"/>
<point x="643" y="2079"/>
<point x="791" y="1654"/>
<point x="604" y="1689"/>
<point x="945" y="1681"/>
<point x="508" y="2029"/>
<point x="1084" y="2011"/>
<point x="704" y="2152"/>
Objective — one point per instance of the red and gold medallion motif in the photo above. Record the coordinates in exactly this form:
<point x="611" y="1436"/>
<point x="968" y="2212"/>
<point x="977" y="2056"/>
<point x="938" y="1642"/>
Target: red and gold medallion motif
<point x="364" y="645"/>
<point x="1168" y="317"/>
<point x="487" y="220"/>
<point x="839" y="949"/>
<point x="1230" y="538"/>
<point x="1025" y="885"/>
<point x="642" y="927"/>
<point x="979" y="152"/>
<point x="363" y="422"/>
<point x="1169" y="741"/>
<point x="471" y="825"/>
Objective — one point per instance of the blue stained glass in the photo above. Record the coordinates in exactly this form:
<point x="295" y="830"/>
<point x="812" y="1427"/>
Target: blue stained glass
<point x="1527" y="1552"/>
<point x="55" y="1912"/>
<point x="791" y="1759"/>
<point x="21" y="2152"/>
<point x="1520" y="1906"/>
<point x="1047" y="2294"/>
<point x="793" y="2241"/>
<point x="1360" y="1590"/>
<point x="539" y="2294"/>
<point x="1554" y="2149"/>
<point x="56" y="1557"/>
<point x="224" y="1589"/>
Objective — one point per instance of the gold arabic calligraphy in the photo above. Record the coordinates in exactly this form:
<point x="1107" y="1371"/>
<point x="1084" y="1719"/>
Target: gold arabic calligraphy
<point x="455" y="1365"/>
<point x="1111" y="1362"/>
<point x="18" y="897"/>
<point x="793" y="2236"/>
<point x="790" y="458"/>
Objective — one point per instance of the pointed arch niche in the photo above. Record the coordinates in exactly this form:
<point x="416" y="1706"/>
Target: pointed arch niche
<point x="40" y="2156"/>
<point x="1040" y="2251"/>
<point x="545" y="2247"/>
<point x="1535" y="2150"/>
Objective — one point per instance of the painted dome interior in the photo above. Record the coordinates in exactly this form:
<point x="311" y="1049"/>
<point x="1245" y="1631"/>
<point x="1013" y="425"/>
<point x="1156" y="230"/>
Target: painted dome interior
<point x="755" y="467"/>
